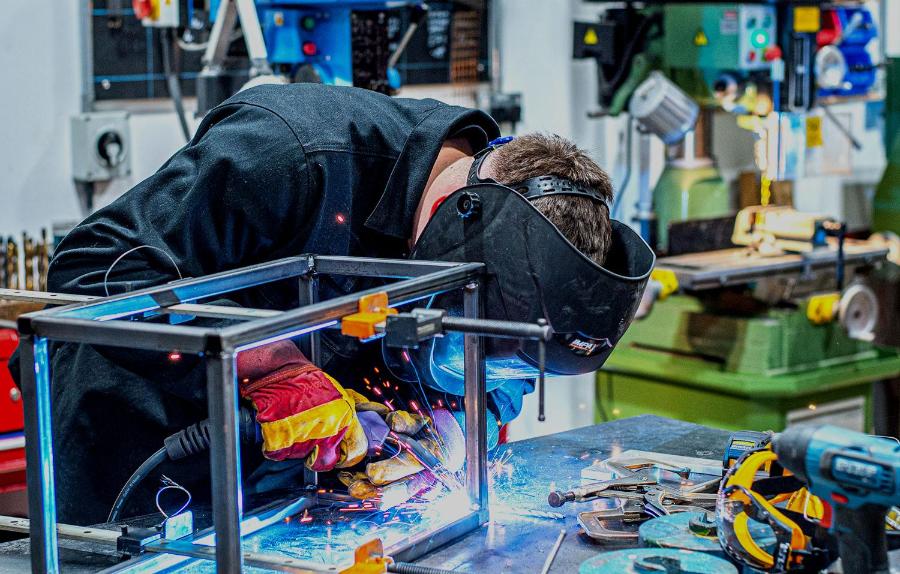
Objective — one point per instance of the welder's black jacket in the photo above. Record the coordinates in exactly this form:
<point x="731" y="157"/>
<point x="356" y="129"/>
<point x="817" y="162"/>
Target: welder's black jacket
<point x="274" y="171"/>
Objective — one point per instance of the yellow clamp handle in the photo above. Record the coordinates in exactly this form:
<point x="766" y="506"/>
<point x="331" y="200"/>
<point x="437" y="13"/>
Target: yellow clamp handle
<point x="822" y="309"/>
<point x="373" y="309"/>
<point x="668" y="282"/>
<point x="369" y="559"/>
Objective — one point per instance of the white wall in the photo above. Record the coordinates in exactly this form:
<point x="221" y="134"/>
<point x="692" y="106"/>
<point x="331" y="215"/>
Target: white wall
<point x="39" y="67"/>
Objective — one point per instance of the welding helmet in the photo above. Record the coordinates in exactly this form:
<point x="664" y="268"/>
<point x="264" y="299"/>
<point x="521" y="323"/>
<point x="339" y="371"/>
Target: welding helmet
<point x="532" y="273"/>
<point x="755" y="507"/>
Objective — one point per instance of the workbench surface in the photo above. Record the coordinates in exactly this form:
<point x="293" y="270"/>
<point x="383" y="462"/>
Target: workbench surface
<point x="512" y="543"/>
<point x="517" y="539"/>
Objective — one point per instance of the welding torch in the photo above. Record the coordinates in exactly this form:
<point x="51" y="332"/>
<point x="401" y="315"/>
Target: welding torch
<point x="425" y="457"/>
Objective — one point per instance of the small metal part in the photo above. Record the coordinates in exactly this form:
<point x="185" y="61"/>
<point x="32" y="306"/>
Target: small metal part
<point x="134" y="540"/>
<point x="411" y="329"/>
<point x="179" y="526"/>
<point x="704" y="524"/>
<point x="553" y="552"/>
<point x="596" y="523"/>
<point x="542" y="359"/>
<point x="626" y="487"/>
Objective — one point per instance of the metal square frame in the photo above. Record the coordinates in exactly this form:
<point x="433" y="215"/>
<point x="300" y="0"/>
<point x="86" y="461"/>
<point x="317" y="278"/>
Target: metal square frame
<point x="95" y="322"/>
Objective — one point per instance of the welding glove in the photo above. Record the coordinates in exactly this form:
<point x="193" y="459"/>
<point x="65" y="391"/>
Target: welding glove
<point x="305" y="413"/>
<point x="401" y="475"/>
<point x="301" y="410"/>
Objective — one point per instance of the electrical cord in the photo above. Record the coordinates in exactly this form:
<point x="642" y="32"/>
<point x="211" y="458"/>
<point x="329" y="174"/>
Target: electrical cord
<point x="146" y="468"/>
<point x="130" y="251"/>
<point x="166" y="40"/>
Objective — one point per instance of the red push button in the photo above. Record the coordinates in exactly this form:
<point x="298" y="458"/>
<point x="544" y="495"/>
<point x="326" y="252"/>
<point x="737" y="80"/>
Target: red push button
<point x="772" y="53"/>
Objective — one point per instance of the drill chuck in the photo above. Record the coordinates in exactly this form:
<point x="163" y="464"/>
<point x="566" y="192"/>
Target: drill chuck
<point x="791" y="446"/>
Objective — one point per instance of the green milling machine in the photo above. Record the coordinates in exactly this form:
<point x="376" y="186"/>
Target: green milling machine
<point x="751" y="339"/>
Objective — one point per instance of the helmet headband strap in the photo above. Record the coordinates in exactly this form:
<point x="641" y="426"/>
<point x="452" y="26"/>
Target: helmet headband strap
<point x="535" y="187"/>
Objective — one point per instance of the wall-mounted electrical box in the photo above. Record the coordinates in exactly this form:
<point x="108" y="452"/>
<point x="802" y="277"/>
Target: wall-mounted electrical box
<point x="101" y="146"/>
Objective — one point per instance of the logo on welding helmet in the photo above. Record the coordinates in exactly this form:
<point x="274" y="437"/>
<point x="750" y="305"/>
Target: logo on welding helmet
<point x="584" y="346"/>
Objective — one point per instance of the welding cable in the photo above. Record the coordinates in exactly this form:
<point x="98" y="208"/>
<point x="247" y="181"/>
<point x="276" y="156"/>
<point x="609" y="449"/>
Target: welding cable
<point x="187" y="442"/>
<point x="166" y="39"/>
<point x="146" y="468"/>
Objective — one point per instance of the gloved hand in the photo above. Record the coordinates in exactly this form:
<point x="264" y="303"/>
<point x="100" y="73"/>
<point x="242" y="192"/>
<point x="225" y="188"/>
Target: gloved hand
<point x="302" y="412"/>
<point x="402" y="475"/>
<point x="305" y="413"/>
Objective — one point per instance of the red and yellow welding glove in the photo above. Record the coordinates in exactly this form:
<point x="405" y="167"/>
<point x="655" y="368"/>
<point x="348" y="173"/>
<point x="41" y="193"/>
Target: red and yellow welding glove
<point x="302" y="411"/>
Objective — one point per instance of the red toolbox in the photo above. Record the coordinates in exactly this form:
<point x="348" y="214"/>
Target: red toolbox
<point x="12" y="437"/>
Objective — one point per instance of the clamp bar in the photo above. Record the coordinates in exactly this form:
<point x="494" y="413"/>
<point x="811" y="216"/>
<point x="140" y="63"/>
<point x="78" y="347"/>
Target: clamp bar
<point x="503" y="329"/>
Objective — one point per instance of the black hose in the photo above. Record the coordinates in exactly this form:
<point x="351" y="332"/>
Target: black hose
<point x="407" y="568"/>
<point x="166" y="39"/>
<point x="146" y="467"/>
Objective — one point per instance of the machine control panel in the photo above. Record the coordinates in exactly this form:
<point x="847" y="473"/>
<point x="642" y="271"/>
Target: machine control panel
<point x="719" y="36"/>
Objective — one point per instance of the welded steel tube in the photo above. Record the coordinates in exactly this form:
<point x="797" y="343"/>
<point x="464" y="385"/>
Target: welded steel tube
<point x="35" y="375"/>
<point x="253" y="332"/>
<point x="374" y="267"/>
<point x="225" y="460"/>
<point x="185" y="290"/>
<point x="476" y="405"/>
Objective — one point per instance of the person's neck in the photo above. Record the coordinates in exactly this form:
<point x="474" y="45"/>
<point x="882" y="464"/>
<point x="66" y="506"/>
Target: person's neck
<point x="451" y="152"/>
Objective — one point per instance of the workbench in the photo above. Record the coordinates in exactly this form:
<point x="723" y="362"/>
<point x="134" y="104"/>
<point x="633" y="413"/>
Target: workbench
<point x="515" y="540"/>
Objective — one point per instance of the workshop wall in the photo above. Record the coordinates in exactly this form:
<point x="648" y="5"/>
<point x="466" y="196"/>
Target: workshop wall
<point x="39" y="63"/>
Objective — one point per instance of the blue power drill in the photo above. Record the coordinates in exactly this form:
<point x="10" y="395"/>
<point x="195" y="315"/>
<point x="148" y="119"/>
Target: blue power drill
<point x="858" y="475"/>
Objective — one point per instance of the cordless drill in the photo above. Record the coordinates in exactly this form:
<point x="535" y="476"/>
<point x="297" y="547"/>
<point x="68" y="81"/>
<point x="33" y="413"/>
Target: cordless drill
<point x="858" y="475"/>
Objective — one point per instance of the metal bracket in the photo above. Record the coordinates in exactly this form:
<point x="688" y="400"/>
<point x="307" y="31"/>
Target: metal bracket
<point x="230" y="11"/>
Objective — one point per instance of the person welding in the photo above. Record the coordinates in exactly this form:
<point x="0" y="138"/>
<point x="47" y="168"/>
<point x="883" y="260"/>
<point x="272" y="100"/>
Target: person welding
<point x="280" y="171"/>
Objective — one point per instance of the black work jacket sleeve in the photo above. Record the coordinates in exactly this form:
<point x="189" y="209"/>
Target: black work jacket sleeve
<point x="233" y="196"/>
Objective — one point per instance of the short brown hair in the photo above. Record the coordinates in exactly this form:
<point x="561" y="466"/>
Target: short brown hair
<point x="583" y="221"/>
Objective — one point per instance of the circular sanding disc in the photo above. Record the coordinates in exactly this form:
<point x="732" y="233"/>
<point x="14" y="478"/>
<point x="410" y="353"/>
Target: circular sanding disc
<point x="674" y="531"/>
<point x="623" y="561"/>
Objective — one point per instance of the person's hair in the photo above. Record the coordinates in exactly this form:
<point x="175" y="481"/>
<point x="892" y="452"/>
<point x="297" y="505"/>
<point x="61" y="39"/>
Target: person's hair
<point x="584" y="222"/>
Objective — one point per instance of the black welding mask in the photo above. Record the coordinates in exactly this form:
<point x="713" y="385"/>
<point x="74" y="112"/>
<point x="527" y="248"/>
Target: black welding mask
<point x="533" y="272"/>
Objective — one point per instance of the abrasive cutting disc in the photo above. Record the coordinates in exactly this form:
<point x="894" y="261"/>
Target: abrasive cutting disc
<point x="623" y="562"/>
<point x="674" y="531"/>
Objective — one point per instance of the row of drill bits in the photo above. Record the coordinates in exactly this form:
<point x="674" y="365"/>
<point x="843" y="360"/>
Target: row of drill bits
<point x="24" y="265"/>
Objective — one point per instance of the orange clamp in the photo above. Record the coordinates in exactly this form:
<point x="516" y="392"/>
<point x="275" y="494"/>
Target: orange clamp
<point x="373" y="309"/>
